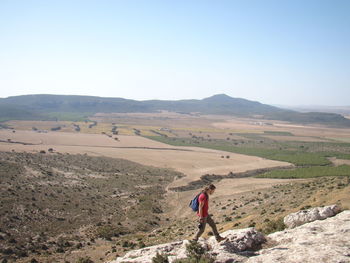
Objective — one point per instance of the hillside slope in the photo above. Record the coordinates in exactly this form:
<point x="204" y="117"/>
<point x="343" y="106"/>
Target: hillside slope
<point x="51" y="203"/>
<point x="64" y="107"/>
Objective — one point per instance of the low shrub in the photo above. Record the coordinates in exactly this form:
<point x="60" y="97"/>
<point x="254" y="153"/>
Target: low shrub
<point x="273" y="226"/>
<point x="160" y="258"/>
<point x="196" y="254"/>
<point x="84" y="260"/>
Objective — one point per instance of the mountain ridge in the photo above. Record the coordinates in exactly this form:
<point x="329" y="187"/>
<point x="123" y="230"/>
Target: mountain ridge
<point x="46" y="107"/>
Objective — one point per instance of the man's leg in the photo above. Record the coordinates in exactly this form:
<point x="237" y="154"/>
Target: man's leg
<point x="201" y="228"/>
<point x="212" y="224"/>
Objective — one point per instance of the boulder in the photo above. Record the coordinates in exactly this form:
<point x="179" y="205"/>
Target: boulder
<point x="238" y="240"/>
<point x="238" y="244"/>
<point x="306" y="216"/>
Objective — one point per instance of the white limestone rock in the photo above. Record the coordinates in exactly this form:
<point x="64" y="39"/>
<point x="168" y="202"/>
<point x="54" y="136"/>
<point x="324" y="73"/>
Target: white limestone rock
<point x="238" y="240"/>
<point x="326" y="241"/>
<point x="236" y="244"/>
<point x="225" y="251"/>
<point x="146" y="254"/>
<point x="310" y="215"/>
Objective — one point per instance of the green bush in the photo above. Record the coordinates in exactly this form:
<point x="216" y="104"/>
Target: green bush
<point x="195" y="254"/>
<point x="109" y="231"/>
<point x="160" y="258"/>
<point x="106" y="232"/>
<point x="84" y="260"/>
<point x="273" y="226"/>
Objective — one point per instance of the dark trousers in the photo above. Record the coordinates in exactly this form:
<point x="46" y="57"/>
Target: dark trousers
<point x="201" y="227"/>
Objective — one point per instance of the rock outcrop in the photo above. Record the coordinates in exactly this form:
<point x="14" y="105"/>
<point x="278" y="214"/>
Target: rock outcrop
<point x="310" y="215"/>
<point x="319" y="241"/>
<point x="236" y="241"/>
<point x="325" y="241"/>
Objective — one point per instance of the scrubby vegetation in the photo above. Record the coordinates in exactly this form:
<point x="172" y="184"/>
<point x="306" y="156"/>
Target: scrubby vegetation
<point x="84" y="260"/>
<point x="195" y="254"/>
<point x="266" y="208"/>
<point x="53" y="203"/>
<point x="160" y="258"/>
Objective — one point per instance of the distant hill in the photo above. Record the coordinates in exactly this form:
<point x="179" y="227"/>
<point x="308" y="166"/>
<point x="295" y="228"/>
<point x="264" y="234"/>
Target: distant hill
<point x="344" y="110"/>
<point x="67" y="107"/>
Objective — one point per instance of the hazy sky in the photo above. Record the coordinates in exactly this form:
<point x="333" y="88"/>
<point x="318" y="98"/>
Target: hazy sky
<point x="276" y="52"/>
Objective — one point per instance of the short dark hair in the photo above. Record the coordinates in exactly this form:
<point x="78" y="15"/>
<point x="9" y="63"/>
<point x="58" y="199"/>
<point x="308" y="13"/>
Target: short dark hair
<point x="209" y="187"/>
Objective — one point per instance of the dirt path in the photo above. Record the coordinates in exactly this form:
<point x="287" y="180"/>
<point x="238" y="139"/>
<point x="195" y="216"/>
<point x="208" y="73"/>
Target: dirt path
<point x="178" y="201"/>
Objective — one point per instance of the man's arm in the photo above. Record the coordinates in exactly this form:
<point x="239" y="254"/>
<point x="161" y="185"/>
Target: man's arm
<point x="201" y="205"/>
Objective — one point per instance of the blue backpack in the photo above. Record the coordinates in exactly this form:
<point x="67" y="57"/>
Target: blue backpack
<point x="194" y="204"/>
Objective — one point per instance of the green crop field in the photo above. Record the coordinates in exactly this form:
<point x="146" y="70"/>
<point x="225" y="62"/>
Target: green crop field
<point x="305" y="154"/>
<point x="308" y="172"/>
<point x="311" y="158"/>
<point x="278" y="133"/>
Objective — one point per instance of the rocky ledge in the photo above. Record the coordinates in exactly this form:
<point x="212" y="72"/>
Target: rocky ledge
<point x="325" y="240"/>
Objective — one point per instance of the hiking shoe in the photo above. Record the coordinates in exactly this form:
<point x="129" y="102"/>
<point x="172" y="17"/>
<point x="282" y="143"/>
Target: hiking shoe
<point x="219" y="239"/>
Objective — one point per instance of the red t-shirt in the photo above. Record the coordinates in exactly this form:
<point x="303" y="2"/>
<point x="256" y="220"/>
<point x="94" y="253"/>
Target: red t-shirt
<point x="203" y="198"/>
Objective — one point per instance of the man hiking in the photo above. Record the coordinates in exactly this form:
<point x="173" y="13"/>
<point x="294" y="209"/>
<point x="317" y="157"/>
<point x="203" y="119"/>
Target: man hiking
<point x="203" y="215"/>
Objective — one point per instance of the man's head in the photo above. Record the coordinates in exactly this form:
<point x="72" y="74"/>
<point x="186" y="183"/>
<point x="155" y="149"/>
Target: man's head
<point x="210" y="189"/>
